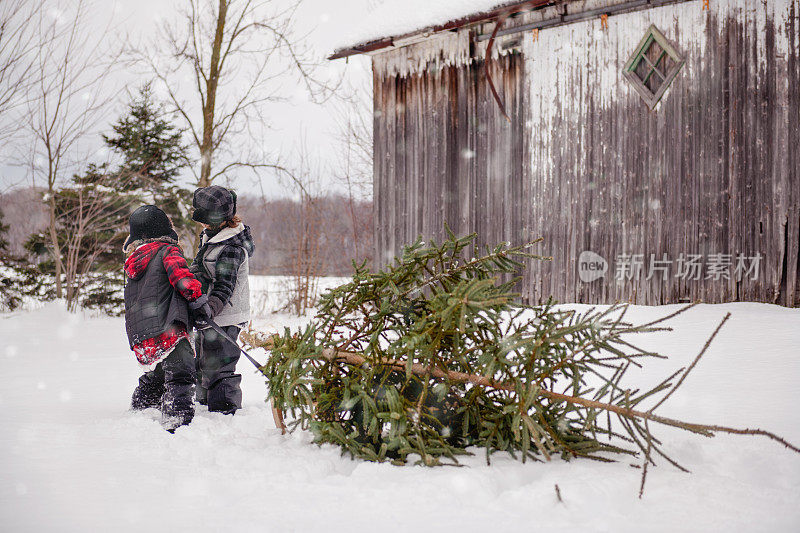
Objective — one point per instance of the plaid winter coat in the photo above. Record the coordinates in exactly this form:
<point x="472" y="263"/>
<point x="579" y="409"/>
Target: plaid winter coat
<point x="222" y="265"/>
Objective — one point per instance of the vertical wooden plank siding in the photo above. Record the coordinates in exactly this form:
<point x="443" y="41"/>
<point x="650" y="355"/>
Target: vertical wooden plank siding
<point x="452" y="157"/>
<point x="586" y="164"/>
<point x="712" y="170"/>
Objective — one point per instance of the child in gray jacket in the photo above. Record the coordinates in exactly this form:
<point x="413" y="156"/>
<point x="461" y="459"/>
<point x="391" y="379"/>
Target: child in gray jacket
<point x="222" y="266"/>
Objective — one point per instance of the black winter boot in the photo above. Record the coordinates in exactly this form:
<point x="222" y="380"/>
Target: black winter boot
<point x="225" y="394"/>
<point x="177" y="404"/>
<point x="149" y="391"/>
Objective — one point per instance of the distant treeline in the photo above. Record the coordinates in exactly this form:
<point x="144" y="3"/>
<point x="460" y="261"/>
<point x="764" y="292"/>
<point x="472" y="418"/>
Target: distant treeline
<point x="333" y="229"/>
<point x="24" y="213"/>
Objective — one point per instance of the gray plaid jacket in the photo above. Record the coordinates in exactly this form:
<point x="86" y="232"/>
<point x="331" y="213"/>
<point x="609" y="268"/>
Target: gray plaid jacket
<point x="223" y="264"/>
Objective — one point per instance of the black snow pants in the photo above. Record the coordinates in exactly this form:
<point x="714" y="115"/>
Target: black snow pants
<point x="218" y="385"/>
<point x="169" y="387"/>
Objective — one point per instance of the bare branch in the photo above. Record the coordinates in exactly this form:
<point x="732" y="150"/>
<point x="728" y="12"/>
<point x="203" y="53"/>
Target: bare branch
<point x="66" y="103"/>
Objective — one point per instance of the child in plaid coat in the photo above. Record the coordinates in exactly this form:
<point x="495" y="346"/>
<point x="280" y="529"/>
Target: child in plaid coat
<point x="222" y="265"/>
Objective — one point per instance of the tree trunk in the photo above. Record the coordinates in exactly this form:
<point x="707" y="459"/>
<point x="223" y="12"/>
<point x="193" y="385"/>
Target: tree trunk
<point x="207" y="146"/>
<point x="56" y="248"/>
<point x="356" y="359"/>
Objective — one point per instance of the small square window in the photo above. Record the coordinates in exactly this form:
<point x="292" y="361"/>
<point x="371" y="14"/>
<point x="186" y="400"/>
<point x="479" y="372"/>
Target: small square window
<point x="653" y="66"/>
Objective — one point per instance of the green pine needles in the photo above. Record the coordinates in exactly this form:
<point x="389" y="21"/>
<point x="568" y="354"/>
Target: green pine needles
<point x="436" y="354"/>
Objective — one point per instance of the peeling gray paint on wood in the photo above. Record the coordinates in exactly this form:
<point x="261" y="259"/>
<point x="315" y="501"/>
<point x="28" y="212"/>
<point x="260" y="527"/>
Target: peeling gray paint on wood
<point x="584" y="163"/>
<point x="444" y="154"/>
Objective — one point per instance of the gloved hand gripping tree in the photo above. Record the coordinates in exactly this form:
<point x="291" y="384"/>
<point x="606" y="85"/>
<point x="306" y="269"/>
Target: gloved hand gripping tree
<point x="436" y="354"/>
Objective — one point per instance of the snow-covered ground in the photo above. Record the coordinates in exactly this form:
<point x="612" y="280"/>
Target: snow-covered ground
<point x="72" y="458"/>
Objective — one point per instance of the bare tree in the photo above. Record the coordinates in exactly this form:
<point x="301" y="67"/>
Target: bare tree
<point x="18" y="45"/>
<point x="303" y="238"/>
<point x="66" y="103"/>
<point x="354" y="120"/>
<point x="223" y="62"/>
<point x="92" y="221"/>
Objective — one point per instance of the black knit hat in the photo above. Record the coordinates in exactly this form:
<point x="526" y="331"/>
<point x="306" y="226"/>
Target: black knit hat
<point x="213" y="205"/>
<point x="149" y="222"/>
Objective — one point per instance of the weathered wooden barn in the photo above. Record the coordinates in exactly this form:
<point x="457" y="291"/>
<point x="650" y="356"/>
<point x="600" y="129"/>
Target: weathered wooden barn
<point x="654" y="145"/>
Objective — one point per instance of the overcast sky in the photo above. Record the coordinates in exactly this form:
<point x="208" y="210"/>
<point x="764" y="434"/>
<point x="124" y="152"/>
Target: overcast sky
<point x="326" y="23"/>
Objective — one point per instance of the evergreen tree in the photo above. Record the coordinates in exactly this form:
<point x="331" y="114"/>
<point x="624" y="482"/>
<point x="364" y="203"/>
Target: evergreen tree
<point x="92" y="211"/>
<point x="17" y="278"/>
<point x="149" y="145"/>
<point x="153" y="155"/>
<point x="8" y="298"/>
<point x="3" y="235"/>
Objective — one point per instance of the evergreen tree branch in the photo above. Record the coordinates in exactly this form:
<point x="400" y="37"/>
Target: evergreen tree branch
<point x="707" y="430"/>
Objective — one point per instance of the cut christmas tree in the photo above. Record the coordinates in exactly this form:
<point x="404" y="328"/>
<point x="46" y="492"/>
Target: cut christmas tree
<point x="436" y="354"/>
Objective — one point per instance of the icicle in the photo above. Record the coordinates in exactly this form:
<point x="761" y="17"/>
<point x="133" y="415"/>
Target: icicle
<point x="441" y="50"/>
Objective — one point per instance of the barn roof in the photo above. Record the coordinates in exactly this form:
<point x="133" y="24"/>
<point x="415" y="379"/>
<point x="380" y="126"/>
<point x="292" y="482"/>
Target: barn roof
<point x="398" y="20"/>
